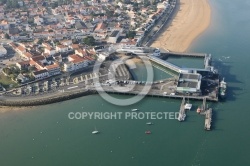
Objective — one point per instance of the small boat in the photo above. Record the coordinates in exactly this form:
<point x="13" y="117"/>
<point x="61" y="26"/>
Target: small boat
<point x="147" y="132"/>
<point x="134" y="110"/>
<point x="95" y="131"/>
<point x="188" y="106"/>
<point x="149" y="123"/>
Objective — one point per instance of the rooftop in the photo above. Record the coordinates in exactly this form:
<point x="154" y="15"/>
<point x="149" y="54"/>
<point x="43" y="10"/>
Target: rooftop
<point x="114" y="33"/>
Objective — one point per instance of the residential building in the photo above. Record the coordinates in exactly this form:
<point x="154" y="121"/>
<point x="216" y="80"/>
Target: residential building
<point x="40" y="74"/>
<point x="61" y="48"/>
<point x="53" y="69"/>
<point x="75" y="62"/>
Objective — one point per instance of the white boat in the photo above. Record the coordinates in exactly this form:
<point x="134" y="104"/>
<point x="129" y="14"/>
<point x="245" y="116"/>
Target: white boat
<point x="149" y="123"/>
<point x="188" y="106"/>
<point x="134" y="110"/>
<point x="95" y="131"/>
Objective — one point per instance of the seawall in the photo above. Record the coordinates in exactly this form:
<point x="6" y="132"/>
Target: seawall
<point x="44" y="100"/>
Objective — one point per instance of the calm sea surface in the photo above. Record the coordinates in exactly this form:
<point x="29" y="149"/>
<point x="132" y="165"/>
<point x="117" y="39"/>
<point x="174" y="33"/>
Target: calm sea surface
<point x="45" y="136"/>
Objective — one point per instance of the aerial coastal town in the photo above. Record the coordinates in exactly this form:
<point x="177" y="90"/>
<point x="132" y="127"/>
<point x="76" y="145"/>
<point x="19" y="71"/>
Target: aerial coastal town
<point x="42" y="39"/>
<point x="50" y="50"/>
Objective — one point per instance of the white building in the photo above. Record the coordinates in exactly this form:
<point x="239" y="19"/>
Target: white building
<point x="61" y="48"/>
<point x="75" y="62"/>
<point x="103" y="56"/>
<point x="40" y="74"/>
<point x="114" y="36"/>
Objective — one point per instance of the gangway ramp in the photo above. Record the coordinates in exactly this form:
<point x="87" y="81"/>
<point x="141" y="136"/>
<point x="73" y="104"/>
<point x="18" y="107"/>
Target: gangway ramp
<point x="164" y="63"/>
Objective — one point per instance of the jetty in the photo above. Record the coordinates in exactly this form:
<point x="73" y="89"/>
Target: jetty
<point x="208" y="112"/>
<point x="208" y="119"/>
<point x="182" y="114"/>
<point x="201" y="55"/>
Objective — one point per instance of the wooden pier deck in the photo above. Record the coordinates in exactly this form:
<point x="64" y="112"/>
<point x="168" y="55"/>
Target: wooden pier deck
<point x="152" y="93"/>
<point x="201" y="55"/>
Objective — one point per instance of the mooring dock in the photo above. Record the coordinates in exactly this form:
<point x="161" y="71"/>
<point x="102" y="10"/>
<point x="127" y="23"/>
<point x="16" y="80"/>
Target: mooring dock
<point x="208" y="112"/>
<point x="202" y="55"/>
<point x="182" y="114"/>
<point x="208" y="119"/>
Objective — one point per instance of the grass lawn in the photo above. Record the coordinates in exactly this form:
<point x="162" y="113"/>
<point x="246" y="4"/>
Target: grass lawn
<point x="6" y="81"/>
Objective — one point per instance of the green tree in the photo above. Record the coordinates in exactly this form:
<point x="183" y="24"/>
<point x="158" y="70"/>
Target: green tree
<point x="40" y="41"/>
<point x="131" y="34"/>
<point x="7" y="36"/>
<point x="7" y="71"/>
<point x="89" y="40"/>
<point x="31" y="69"/>
<point x="2" y="2"/>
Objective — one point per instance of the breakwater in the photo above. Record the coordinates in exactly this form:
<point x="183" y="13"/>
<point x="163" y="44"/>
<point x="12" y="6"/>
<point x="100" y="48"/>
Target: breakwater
<point x="43" y="100"/>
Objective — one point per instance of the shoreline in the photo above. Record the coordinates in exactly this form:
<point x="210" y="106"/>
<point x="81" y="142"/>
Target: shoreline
<point x="4" y="109"/>
<point x="190" y="19"/>
<point x="178" y="29"/>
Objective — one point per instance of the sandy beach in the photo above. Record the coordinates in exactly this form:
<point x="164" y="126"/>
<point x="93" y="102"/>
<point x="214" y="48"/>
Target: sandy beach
<point x="7" y="108"/>
<point x="191" y="19"/>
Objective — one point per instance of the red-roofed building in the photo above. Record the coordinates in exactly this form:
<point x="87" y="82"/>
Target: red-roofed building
<point x="100" y="27"/>
<point x="81" y="52"/>
<point x="53" y="69"/>
<point x="75" y="62"/>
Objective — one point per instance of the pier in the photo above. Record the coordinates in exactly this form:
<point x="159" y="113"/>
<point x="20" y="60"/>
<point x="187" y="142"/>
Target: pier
<point x="208" y="119"/>
<point x="182" y="114"/>
<point x="208" y="114"/>
<point x="201" y="55"/>
<point x="164" y="90"/>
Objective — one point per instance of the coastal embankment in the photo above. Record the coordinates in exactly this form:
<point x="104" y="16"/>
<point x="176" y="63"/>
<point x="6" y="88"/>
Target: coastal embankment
<point x="191" y="18"/>
<point x="41" y="100"/>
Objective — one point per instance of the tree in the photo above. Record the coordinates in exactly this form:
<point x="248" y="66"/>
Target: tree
<point x="40" y="41"/>
<point x="131" y="34"/>
<point x="7" y="36"/>
<point x="31" y="69"/>
<point x="90" y="40"/>
<point x="2" y="2"/>
<point x="7" y="71"/>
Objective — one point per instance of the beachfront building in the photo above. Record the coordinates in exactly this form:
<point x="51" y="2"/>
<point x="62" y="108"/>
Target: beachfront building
<point x="40" y="74"/>
<point x="53" y="69"/>
<point x="75" y="62"/>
